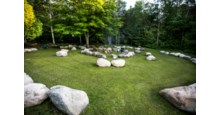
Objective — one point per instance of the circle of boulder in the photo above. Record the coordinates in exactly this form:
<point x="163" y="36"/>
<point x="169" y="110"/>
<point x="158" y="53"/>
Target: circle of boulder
<point x="118" y="63"/>
<point x="34" y="94"/>
<point x="103" y="62"/>
<point x="183" y="97"/>
<point x="70" y="101"/>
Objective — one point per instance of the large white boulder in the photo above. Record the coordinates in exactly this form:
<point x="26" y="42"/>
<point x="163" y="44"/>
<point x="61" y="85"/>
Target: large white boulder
<point x="70" y="101"/>
<point x="103" y="62"/>
<point x="151" y="58"/>
<point x="183" y="97"/>
<point x="118" y="63"/>
<point x="61" y="53"/>
<point x="34" y="94"/>
<point x="27" y="79"/>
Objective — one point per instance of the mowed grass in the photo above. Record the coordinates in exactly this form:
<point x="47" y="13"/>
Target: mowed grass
<point x="131" y="90"/>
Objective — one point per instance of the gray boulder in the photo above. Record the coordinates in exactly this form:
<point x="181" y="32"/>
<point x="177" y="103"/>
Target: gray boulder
<point x="126" y="54"/>
<point x="27" y="79"/>
<point x="137" y="51"/>
<point x="103" y="62"/>
<point x="118" y="63"/>
<point x="114" y="56"/>
<point x="27" y="50"/>
<point x="65" y="50"/>
<point x="70" y="101"/>
<point x="194" y="60"/>
<point x="34" y="94"/>
<point x="61" y="53"/>
<point x="164" y="52"/>
<point x="183" y="97"/>
<point x="151" y="58"/>
<point x="73" y="48"/>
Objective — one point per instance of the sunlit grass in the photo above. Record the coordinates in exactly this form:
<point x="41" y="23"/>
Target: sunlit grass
<point x="131" y="90"/>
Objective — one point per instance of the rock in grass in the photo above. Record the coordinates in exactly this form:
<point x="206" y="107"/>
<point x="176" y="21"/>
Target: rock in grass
<point x="114" y="56"/>
<point x="61" y="53"/>
<point x="33" y="49"/>
<point x="103" y="62"/>
<point x="70" y="101"/>
<point x="151" y="58"/>
<point x="34" y="94"/>
<point x="148" y="53"/>
<point x="73" y="48"/>
<point x="183" y="97"/>
<point x="194" y="60"/>
<point x="65" y="50"/>
<point x="164" y="52"/>
<point x="27" y="50"/>
<point x="118" y="63"/>
<point x="27" y="79"/>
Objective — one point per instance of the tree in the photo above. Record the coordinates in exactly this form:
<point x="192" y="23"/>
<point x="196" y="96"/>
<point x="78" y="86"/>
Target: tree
<point x="86" y="18"/>
<point x="112" y="19"/>
<point x="43" y="11"/>
<point x="32" y="26"/>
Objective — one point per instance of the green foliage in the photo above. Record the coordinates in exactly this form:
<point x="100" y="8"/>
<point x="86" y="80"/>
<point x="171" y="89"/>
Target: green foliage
<point x="31" y="32"/>
<point x="164" y="24"/>
<point x="32" y="26"/>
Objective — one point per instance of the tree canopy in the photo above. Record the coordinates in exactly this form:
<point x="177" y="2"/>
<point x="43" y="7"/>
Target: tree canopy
<point x="166" y="24"/>
<point x="32" y="26"/>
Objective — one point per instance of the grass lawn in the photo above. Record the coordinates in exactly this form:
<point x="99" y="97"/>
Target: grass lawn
<point x="131" y="90"/>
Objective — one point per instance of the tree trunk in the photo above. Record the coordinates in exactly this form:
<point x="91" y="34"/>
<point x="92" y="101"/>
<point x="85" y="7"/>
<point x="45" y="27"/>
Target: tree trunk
<point x="109" y="40"/>
<point x="87" y="39"/>
<point x="80" y="40"/>
<point x="52" y="34"/>
<point x="158" y="33"/>
<point x="51" y="27"/>
<point x="116" y="39"/>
